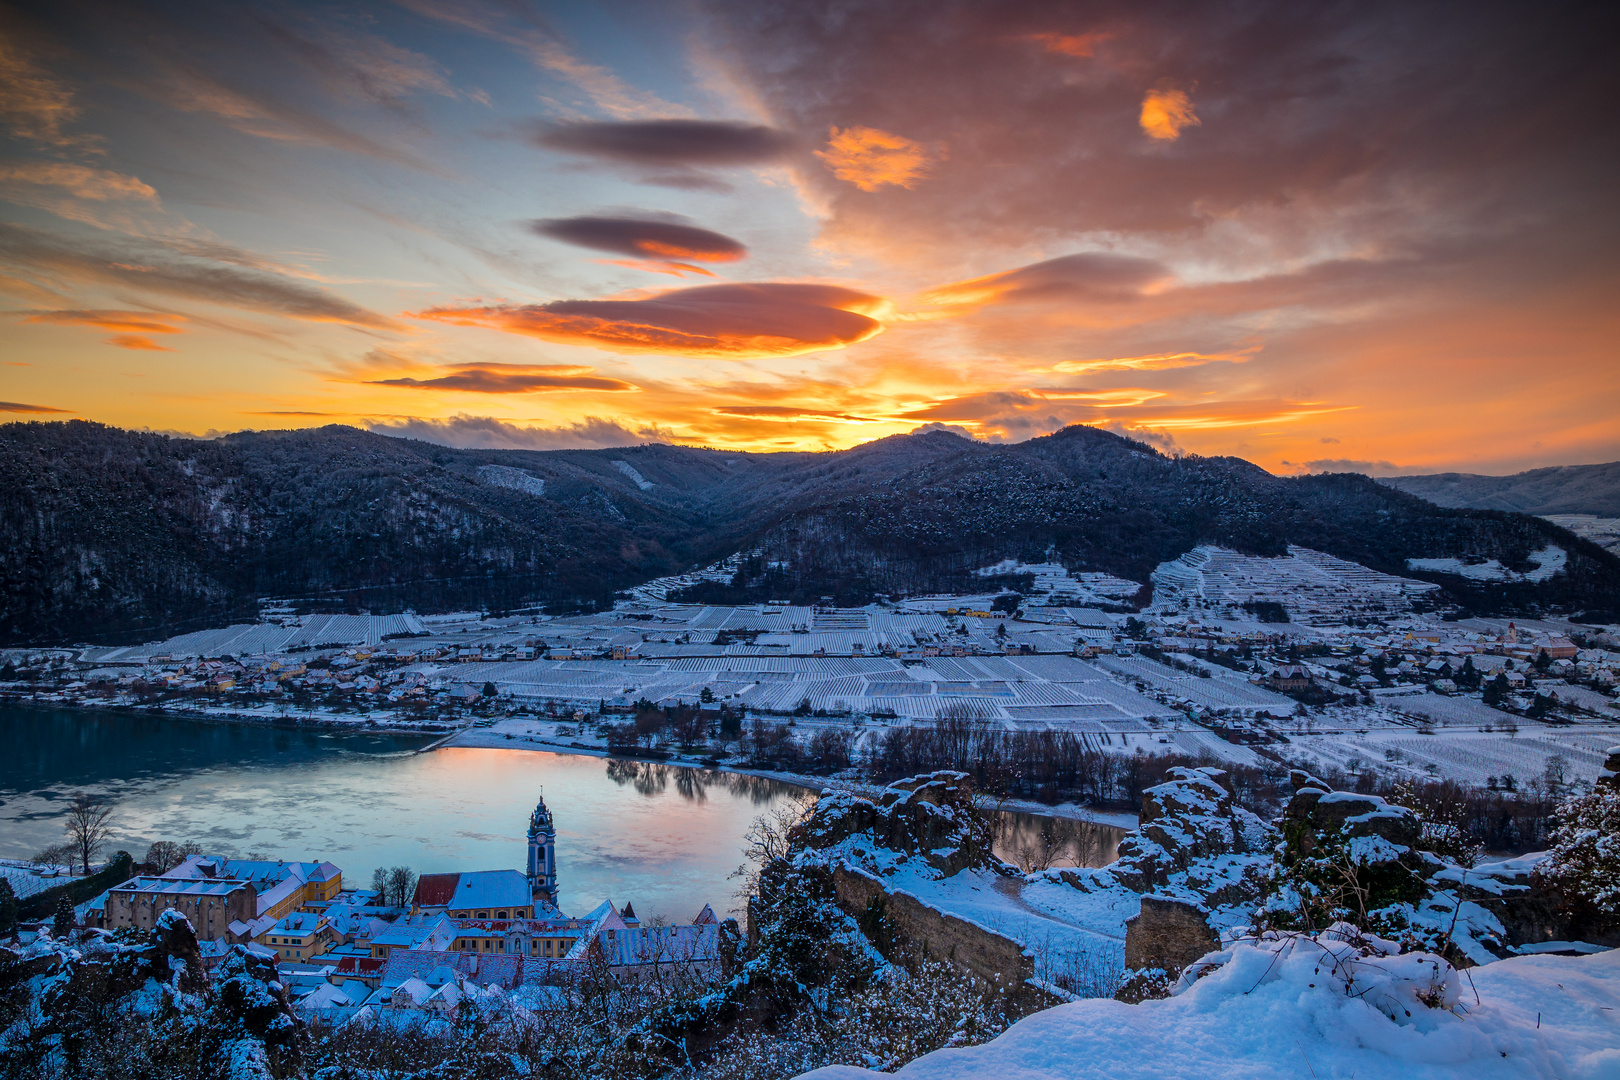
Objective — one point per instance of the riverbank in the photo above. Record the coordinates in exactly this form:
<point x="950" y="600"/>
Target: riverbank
<point x="515" y="733"/>
<point x="519" y="735"/>
<point x="268" y="716"/>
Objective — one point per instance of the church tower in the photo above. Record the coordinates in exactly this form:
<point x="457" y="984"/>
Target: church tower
<point x="543" y="854"/>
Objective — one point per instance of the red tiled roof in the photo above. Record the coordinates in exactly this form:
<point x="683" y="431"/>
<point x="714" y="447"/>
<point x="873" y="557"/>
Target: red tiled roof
<point x="435" y="890"/>
<point x="358" y="965"/>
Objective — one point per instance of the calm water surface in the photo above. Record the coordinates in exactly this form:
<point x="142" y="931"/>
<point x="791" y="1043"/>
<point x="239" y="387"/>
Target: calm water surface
<point x="663" y="837"/>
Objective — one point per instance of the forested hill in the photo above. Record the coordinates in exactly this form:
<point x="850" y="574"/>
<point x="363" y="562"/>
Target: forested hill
<point x="112" y="535"/>
<point x="1567" y="489"/>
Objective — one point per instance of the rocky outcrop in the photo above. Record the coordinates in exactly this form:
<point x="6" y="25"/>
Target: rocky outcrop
<point x="1187" y="821"/>
<point x="1317" y="811"/>
<point x="1193" y="842"/>
<point x="933" y="816"/>
<point x="176" y="954"/>
<point x="859" y="845"/>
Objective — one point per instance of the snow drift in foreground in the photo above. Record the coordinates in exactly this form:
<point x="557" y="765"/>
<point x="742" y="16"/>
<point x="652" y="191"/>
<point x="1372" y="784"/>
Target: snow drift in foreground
<point x="1297" y="1006"/>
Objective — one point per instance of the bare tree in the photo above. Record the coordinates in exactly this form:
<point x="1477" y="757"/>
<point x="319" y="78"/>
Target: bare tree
<point x="401" y="885"/>
<point x="87" y="826"/>
<point x="165" y="855"/>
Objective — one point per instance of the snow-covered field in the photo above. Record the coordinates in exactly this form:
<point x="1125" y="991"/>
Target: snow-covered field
<point x="1311" y="585"/>
<point x="1464" y="754"/>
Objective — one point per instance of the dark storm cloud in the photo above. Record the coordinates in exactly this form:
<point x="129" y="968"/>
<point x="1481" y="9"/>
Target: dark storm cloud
<point x="667" y="143"/>
<point x="642" y="238"/>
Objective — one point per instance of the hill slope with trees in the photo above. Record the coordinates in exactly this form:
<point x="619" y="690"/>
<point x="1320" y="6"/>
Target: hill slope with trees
<point x="1567" y="489"/>
<point x="109" y="535"/>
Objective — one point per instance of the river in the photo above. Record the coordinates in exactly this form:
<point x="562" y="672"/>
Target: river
<point x="666" y="838"/>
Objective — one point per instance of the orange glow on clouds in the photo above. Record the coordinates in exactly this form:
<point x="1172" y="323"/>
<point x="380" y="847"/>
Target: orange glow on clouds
<point x="871" y="159"/>
<point x="1166" y="112"/>
<point x="490" y="378"/>
<point x="1080" y="46"/>
<point x="722" y="322"/>
<point x="1155" y="362"/>
<point x="130" y="327"/>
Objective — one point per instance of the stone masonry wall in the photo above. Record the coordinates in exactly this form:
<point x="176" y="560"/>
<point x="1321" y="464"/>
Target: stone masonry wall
<point x="997" y="960"/>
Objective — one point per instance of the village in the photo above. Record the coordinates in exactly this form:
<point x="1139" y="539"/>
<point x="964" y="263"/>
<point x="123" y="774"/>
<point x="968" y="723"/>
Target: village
<point x="409" y="948"/>
<point x="1240" y="658"/>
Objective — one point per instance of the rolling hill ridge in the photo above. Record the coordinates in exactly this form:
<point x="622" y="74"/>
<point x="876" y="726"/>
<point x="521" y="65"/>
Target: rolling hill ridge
<point x="108" y="534"/>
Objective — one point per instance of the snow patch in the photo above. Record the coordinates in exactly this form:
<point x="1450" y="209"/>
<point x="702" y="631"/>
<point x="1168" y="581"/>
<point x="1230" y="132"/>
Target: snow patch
<point x="630" y="470"/>
<point x="1549" y="560"/>
<point x="516" y="479"/>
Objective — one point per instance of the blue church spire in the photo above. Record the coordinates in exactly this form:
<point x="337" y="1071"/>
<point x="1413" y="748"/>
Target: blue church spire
<point x="543" y="854"/>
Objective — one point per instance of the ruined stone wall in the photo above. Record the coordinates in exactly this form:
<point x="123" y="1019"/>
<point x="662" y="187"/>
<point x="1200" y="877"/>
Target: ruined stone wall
<point x="1167" y="935"/>
<point x="994" y="958"/>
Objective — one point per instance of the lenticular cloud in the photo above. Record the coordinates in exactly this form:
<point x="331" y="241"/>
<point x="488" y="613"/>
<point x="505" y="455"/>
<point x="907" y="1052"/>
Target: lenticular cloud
<point x="642" y="238"/>
<point x="736" y="321"/>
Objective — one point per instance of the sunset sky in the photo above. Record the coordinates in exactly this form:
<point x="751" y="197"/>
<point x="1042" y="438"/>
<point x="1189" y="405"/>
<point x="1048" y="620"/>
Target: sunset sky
<point x="1379" y="237"/>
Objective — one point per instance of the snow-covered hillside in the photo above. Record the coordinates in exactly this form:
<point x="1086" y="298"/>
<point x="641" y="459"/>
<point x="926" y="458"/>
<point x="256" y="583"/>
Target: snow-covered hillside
<point x="1300" y="1007"/>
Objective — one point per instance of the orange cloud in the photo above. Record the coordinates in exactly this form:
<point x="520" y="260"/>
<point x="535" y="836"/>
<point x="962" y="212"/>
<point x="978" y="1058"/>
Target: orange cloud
<point x="1156" y="361"/>
<point x="491" y="378"/>
<point x="35" y="105"/>
<point x="1020" y="414"/>
<point x="137" y="341"/>
<point x="136" y="322"/>
<point x="1103" y="399"/>
<point x="641" y="237"/>
<point x="1093" y="274"/>
<point x="870" y="159"/>
<point x="1081" y="46"/>
<point x="1166" y="112"/>
<point x="655" y="266"/>
<point x="725" y="322"/>
<point x="80" y="181"/>
<point x="786" y="414"/>
<point x="131" y="327"/>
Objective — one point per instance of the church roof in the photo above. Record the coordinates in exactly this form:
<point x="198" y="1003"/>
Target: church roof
<point x="475" y="889"/>
<point x="435" y="890"/>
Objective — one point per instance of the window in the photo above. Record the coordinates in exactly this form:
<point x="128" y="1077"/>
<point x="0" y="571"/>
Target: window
<point x="483" y="914"/>
<point x="500" y="914"/>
